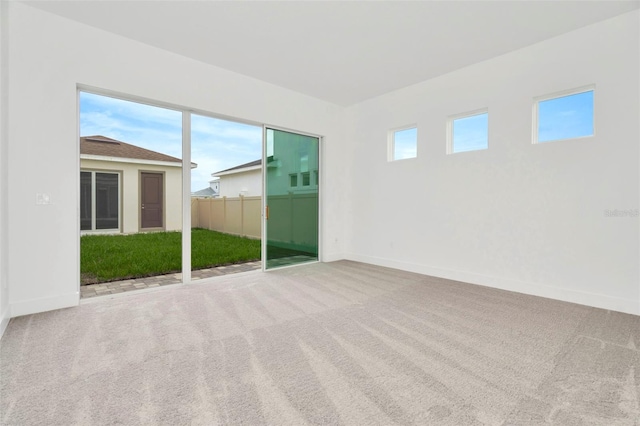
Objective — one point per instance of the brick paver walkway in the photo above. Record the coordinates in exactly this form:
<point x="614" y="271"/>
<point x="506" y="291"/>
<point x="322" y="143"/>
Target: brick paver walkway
<point x="114" y="287"/>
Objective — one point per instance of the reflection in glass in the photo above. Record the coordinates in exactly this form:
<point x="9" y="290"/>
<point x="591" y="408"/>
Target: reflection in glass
<point x="292" y="222"/>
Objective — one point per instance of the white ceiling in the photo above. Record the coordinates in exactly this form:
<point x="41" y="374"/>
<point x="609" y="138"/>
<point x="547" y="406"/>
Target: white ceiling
<point x="343" y="52"/>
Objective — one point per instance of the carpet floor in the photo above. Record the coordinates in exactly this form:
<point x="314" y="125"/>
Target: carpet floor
<point x="336" y="343"/>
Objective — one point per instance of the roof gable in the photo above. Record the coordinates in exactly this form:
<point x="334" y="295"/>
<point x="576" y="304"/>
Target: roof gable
<point x="239" y="168"/>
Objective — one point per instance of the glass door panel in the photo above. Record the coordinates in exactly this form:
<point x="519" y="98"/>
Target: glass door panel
<point x="291" y="190"/>
<point x="107" y="197"/>
<point x="86" y="212"/>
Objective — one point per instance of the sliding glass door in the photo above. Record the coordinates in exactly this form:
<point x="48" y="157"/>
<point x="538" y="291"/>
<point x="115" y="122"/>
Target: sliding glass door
<point x="291" y="198"/>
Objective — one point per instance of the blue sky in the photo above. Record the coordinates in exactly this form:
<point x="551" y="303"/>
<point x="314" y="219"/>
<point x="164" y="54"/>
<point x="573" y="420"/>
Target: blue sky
<point x="215" y="144"/>
<point x="559" y="118"/>
<point x="219" y="144"/>
<point x="405" y="144"/>
<point x="566" y="117"/>
<point x="471" y="133"/>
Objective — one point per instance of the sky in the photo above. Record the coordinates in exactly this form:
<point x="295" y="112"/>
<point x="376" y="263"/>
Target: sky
<point x="220" y="144"/>
<point x="471" y="133"/>
<point x="405" y="144"/>
<point x="215" y="144"/>
<point x="566" y="117"/>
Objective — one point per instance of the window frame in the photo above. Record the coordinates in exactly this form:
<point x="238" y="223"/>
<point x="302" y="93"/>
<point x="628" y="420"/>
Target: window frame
<point x="556" y="95"/>
<point x="306" y="175"/>
<point x="93" y="229"/>
<point x="293" y="176"/>
<point x="454" y="117"/>
<point x="391" y="142"/>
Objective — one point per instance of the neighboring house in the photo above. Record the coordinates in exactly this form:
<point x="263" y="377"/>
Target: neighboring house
<point x="212" y="191"/>
<point x="245" y="180"/>
<point x="125" y="188"/>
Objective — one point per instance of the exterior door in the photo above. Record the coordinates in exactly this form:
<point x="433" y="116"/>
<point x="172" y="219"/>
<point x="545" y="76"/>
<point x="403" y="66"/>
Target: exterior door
<point x="291" y="198"/>
<point x="151" y="200"/>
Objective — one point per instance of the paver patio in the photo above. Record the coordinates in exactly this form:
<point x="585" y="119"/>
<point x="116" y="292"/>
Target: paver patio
<point x="114" y="287"/>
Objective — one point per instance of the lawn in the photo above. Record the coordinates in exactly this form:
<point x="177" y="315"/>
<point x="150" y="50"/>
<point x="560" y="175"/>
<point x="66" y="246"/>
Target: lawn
<point x="119" y="257"/>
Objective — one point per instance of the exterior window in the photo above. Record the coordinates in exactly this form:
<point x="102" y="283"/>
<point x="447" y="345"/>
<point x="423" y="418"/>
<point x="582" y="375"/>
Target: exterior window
<point x="99" y="201"/>
<point x="306" y="179"/>
<point x="468" y="132"/>
<point x="403" y="143"/>
<point x="86" y="204"/>
<point x="293" y="180"/>
<point x="317" y="176"/>
<point x="567" y="115"/>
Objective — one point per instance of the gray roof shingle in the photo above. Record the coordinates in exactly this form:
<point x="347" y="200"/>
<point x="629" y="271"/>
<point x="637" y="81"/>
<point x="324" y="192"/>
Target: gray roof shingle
<point x="107" y="147"/>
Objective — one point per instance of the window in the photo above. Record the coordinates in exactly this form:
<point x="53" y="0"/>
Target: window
<point x="403" y="144"/>
<point x="568" y="115"/>
<point x="468" y="132"/>
<point x="293" y="180"/>
<point x="306" y="179"/>
<point x="99" y="201"/>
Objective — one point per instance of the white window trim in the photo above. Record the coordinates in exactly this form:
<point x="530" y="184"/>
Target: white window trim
<point x="555" y="95"/>
<point x="454" y="117"/>
<point x="391" y="142"/>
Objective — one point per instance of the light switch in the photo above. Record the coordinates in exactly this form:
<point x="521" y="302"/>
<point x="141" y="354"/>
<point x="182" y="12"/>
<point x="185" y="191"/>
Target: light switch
<point x="43" y="199"/>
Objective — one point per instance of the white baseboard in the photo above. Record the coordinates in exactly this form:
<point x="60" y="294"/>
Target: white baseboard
<point x="332" y="257"/>
<point x="43" y="304"/>
<point x="4" y="322"/>
<point x="602" y="301"/>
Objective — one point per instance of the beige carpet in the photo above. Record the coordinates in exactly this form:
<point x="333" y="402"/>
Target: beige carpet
<point x="339" y="343"/>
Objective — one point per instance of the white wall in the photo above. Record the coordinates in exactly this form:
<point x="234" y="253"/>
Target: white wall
<point x="523" y="217"/>
<point x="48" y="57"/>
<point x="130" y="192"/>
<point x="4" y="95"/>
<point x="250" y="181"/>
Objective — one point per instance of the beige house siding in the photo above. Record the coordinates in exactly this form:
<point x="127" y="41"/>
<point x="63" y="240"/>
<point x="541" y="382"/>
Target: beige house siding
<point x="130" y="191"/>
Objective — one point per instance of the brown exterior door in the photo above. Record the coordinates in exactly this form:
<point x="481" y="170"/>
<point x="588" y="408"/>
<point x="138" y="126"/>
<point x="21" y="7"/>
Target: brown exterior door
<point x="152" y="203"/>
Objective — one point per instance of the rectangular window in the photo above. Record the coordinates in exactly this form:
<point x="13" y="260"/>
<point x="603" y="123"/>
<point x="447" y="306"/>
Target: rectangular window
<point x="86" y="210"/>
<point x="106" y="187"/>
<point x="566" y="115"/>
<point x="293" y="180"/>
<point x="306" y="179"/>
<point x="99" y="201"/>
<point x="468" y="132"/>
<point x="403" y="143"/>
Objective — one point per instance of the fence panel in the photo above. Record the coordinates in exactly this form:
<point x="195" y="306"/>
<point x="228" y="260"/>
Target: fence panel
<point x="252" y="218"/>
<point x="233" y="215"/>
<point x="289" y="219"/>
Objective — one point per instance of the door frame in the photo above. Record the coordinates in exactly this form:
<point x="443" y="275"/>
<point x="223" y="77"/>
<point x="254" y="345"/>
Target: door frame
<point x="164" y="200"/>
<point x="187" y="111"/>
<point x="263" y="254"/>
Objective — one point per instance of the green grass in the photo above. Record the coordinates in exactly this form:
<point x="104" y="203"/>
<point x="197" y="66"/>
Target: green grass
<point x="120" y="257"/>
